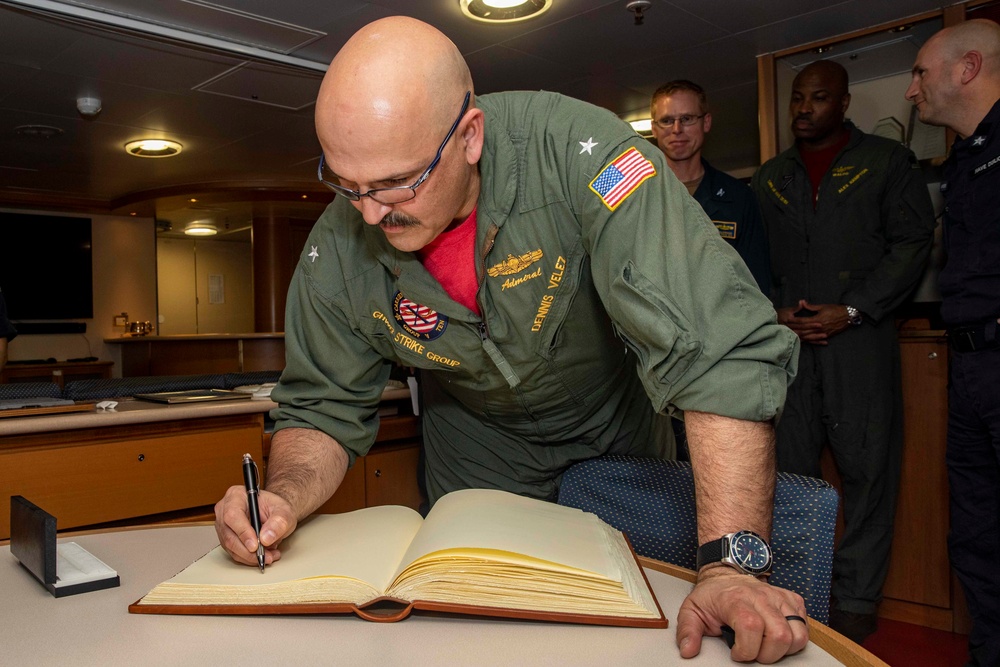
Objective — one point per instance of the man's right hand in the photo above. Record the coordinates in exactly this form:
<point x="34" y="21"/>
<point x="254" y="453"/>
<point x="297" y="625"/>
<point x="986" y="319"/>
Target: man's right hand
<point x="236" y="534"/>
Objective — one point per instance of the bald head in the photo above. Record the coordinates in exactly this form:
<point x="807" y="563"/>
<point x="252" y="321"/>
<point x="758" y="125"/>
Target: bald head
<point x="398" y="77"/>
<point x="956" y="76"/>
<point x="832" y="74"/>
<point x="979" y="35"/>
<point x="391" y="116"/>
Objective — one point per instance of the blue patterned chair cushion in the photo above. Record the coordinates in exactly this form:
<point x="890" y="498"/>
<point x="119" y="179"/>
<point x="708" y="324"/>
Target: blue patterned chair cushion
<point x="653" y="502"/>
<point x="251" y="377"/>
<point x="16" y="390"/>
<point x="89" y="390"/>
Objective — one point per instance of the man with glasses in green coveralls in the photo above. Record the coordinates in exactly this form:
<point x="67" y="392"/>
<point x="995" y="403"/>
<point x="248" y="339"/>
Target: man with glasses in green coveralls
<point x="556" y="286"/>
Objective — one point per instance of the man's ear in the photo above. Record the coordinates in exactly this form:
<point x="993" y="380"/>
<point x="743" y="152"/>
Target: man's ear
<point x="846" y="102"/>
<point x="972" y="63"/>
<point x="472" y="132"/>
<point x="706" y="122"/>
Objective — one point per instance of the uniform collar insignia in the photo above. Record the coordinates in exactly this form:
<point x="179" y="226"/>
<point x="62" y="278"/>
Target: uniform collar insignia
<point x="979" y="140"/>
<point x="314" y="253"/>
<point x="587" y="146"/>
<point x="721" y="192"/>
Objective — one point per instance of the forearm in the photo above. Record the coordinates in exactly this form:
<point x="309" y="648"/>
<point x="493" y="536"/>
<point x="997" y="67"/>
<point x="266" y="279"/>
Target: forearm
<point x="734" y="474"/>
<point x="305" y="468"/>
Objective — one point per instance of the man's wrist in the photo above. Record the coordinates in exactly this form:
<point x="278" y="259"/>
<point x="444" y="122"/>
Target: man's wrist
<point x="713" y="570"/>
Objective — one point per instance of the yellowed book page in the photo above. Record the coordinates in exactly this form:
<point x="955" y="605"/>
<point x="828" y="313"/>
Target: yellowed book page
<point x="366" y="545"/>
<point x="484" y="522"/>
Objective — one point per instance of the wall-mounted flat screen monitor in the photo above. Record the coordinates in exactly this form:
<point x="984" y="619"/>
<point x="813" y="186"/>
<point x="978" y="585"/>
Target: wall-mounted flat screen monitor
<point x="46" y="267"/>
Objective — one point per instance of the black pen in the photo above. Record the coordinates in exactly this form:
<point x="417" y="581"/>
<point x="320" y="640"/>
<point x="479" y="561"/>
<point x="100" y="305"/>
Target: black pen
<point x="250" y="478"/>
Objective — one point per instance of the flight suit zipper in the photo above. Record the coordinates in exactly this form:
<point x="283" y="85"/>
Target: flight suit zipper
<point x="491" y="349"/>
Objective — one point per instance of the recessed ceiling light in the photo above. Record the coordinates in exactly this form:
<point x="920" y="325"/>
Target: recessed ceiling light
<point x="39" y="131"/>
<point x="153" y="148"/>
<point x="200" y="228"/>
<point x="503" y="11"/>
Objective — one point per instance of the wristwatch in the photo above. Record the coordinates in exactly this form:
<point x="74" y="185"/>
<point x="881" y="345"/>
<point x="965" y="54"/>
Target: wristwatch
<point x="853" y="315"/>
<point x="744" y="550"/>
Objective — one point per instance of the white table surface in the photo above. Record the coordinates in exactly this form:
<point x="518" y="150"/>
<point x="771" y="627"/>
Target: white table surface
<point x="96" y="629"/>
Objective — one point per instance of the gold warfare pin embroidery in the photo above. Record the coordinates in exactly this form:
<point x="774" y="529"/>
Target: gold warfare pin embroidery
<point x="513" y="265"/>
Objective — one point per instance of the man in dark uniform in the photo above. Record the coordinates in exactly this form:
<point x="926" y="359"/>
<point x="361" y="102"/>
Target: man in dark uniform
<point x="956" y="83"/>
<point x="850" y="226"/>
<point x="681" y="120"/>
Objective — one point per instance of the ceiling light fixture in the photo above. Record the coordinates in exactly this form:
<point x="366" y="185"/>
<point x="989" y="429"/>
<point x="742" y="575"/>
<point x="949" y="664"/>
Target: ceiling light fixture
<point x="503" y="11"/>
<point x="200" y="228"/>
<point x="643" y="126"/>
<point x="153" y="148"/>
<point x="38" y="131"/>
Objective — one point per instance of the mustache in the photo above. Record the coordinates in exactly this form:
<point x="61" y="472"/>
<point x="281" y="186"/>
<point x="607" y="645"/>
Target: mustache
<point x="398" y="219"/>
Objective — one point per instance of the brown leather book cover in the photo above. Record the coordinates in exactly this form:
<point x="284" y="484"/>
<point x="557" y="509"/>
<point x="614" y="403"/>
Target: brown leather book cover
<point x="522" y="558"/>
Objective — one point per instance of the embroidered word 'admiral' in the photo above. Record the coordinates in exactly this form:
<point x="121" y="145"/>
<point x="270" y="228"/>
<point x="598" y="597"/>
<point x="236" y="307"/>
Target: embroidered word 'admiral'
<point x="418" y="321"/>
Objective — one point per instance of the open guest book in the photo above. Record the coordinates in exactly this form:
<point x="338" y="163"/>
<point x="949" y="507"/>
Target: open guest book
<point x="479" y="551"/>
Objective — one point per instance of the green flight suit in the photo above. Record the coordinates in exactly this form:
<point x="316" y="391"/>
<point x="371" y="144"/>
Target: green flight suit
<point x="864" y="244"/>
<point x="598" y="311"/>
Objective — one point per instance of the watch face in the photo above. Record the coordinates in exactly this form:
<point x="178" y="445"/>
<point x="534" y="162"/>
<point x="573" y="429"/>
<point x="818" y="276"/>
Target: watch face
<point x="750" y="552"/>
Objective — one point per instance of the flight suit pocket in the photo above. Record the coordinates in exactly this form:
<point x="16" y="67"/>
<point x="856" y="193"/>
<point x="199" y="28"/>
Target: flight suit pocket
<point x="656" y="330"/>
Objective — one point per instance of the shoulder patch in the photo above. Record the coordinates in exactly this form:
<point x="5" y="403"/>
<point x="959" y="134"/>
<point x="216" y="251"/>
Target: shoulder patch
<point x="621" y="177"/>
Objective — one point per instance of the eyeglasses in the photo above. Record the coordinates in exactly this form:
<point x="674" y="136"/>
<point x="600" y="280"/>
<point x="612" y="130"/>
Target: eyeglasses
<point x="686" y="120"/>
<point x="400" y="193"/>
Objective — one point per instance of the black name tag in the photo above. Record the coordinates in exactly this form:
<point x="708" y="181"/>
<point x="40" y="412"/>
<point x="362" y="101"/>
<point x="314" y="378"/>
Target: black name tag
<point x="992" y="163"/>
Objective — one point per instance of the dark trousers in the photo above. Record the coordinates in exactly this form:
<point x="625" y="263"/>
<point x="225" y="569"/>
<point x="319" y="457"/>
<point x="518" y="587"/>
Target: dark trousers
<point x="974" y="475"/>
<point x="847" y="394"/>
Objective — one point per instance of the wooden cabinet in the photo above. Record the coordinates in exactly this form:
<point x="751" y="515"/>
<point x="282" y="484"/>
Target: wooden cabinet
<point x="197" y="354"/>
<point x="59" y="372"/>
<point x="95" y="475"/>
<point x="919" y="586"/>
<point x="387" y="475"/>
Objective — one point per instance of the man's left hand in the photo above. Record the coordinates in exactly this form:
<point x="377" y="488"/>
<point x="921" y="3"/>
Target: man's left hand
<point x="831" y="319"/>
<point x="755" y="610"/>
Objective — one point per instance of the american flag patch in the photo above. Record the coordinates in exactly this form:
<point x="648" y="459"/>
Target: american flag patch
<point x="620" y="178"/>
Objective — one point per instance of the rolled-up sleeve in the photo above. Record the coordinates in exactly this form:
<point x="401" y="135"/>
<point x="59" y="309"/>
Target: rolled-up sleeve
<point x="684" y="301"/>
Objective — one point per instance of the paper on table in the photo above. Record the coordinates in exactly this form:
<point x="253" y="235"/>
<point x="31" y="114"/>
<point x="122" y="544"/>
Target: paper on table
<point x="380" y="536"/>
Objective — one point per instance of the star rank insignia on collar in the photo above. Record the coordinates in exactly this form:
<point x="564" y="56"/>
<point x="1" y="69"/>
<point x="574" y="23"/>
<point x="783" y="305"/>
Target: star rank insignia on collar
<point x="314" y="253"/>
<point x="979" y="141"/>
<point x="587" y="146"/>
<point x="721" y="192"/>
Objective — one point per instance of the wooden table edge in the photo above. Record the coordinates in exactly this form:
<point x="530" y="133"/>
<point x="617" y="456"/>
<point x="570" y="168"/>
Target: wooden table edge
<point x="840" y="647"/>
